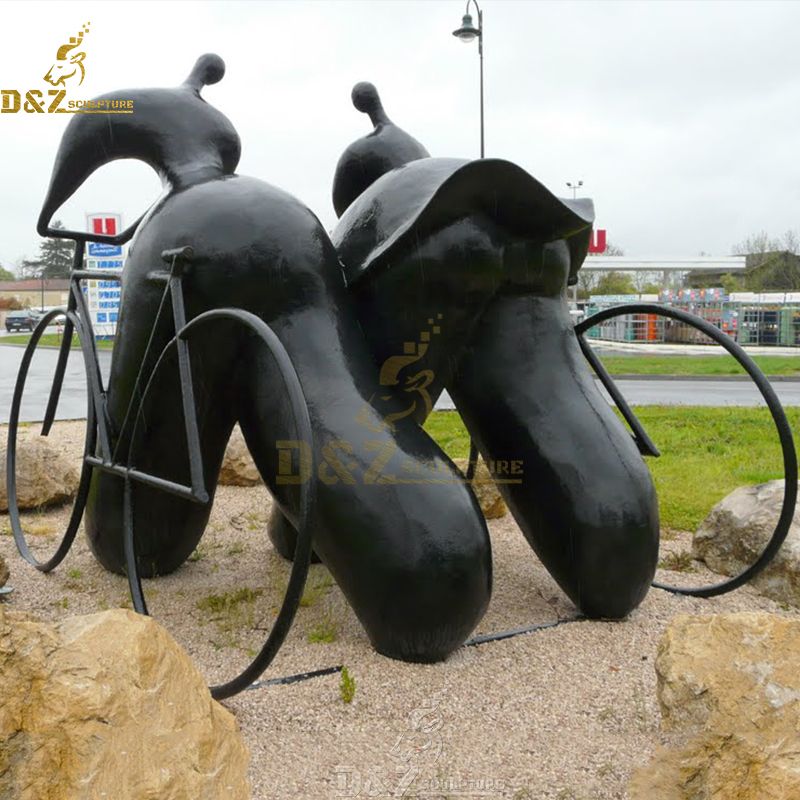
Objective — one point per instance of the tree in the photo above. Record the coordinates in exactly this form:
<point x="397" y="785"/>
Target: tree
<point x="54" y="261"/>
<point x="615" y="283"/>
<point x="588" y="280"/>
<point x="6" y="275"/>
<point x="650" y="288"/>
<point x="772" y="262"/>
<point x="731" y="283"/>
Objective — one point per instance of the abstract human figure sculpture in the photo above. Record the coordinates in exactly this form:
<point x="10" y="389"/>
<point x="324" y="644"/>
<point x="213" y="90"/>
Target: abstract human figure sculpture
<point x="411" y="556"/>
<point x="489" y="248"/>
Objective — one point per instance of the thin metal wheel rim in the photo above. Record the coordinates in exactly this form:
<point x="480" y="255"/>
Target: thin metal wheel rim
<point x="307" y="505"/>
<point x="778" y="416"/>
<point x="82" y="492"/>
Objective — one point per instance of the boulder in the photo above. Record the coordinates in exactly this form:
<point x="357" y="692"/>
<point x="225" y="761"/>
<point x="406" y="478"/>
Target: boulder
<point x="45" y="476"/>
<point x="492" y="504"/>
<point x="736" y="532"/>
<point x="732" y="681"/>
<point x="108" y="705"/>
<point x="238" y="468"/>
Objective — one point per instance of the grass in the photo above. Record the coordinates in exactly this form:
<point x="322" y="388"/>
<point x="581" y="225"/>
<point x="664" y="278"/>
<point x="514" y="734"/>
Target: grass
<point x="317" y="586"/>
<point x="677" y="562"/>
<point x="706" y="454"/>
<point x="231" y="611"/>
<point x="53" y="340"/>
<point x="223" y="603"/>
<point x="347" y="686"/>
<point x="697" y="365"/>
<point x="323" y="633"/>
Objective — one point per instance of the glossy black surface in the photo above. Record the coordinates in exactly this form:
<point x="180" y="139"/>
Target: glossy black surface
<point x="401" y="534"/>
<point x="487" y="252"/>
<point x="366" y="159"/>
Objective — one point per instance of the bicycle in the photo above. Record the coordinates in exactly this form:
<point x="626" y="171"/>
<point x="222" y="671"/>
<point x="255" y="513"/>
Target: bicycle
<point x="99" y="455"/>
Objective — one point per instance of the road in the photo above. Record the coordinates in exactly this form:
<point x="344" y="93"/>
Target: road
<point x="72" y="405"/>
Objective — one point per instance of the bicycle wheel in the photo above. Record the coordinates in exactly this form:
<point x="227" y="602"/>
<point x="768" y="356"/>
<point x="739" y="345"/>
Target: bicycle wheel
<point x="778" y="416"/>
<point x="11" y="450"/>
<point x="302" y="557"/>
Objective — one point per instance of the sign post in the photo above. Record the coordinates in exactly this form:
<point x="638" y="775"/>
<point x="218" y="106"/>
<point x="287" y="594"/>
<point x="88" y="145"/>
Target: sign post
<point x="103" y="297"/>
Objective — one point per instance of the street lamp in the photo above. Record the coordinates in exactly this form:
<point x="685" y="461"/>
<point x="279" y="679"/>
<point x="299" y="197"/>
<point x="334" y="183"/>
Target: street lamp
<point x="466" y="33"/>
<point x="574" y="187"/>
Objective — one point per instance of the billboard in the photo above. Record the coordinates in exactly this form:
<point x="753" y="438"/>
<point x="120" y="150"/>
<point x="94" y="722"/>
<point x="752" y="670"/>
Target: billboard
<point x="103" y="296"/>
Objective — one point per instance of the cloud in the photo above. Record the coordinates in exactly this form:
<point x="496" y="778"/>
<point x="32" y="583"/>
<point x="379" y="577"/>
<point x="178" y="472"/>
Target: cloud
<point x="682" y="119"/>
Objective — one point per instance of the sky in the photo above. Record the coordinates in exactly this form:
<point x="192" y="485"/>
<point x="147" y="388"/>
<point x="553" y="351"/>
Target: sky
<point x="681" y="118"/>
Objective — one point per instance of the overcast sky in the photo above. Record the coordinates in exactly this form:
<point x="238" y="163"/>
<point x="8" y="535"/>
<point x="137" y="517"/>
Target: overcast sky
<point x="681" y="118"/>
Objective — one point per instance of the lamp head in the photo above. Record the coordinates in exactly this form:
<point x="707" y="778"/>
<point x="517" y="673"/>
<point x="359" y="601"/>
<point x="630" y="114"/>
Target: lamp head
<point x="467" y="32"/>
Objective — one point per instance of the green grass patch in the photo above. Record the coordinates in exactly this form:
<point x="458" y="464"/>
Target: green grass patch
<point x="697" y="365"/>
<point x="324" y="632"/>
<point x="677" y="562"/>
<point x="54" y="340"/>
<point x="706" y="453"/>
<point x="347" y="686"/>
<point x="225" y="603"/>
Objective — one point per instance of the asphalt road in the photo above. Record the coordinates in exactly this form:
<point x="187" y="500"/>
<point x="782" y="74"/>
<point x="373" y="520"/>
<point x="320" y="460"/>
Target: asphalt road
<point x="72" y="405"/>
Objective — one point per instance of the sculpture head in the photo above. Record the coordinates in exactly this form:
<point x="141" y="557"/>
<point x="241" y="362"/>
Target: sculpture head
<point x="183" y="138"/>
<point x="365" y="160"/>
<point x="69" y="61"/>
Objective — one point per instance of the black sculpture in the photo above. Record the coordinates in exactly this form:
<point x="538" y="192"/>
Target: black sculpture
<point x="489" y="248"/>
<point x="412" y="558"/>
<point x="457" y="272"/>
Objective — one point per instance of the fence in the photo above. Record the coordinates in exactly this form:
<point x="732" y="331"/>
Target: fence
<point x="769" y="319"/>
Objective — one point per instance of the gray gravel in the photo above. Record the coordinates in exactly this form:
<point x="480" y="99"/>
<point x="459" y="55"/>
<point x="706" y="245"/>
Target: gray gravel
<point x="563" y="713"/>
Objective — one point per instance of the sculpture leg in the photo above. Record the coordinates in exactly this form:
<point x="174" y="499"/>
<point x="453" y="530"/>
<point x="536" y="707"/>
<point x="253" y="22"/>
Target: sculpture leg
<point x="400" y="533"/>
<point x="167" y="527"/>
<point x="579" y="489"/>
<point x="283" y="535"/>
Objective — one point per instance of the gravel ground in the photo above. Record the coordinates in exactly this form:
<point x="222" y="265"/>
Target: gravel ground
<point x="562" y="713"/>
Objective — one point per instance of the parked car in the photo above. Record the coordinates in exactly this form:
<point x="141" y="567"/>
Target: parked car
<point x="24" y="320"/>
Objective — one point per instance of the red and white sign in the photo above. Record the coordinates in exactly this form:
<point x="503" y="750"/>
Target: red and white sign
<point x="103" y="296"/>
<point x="105" y="224"/>
<point x="597" y="244"/>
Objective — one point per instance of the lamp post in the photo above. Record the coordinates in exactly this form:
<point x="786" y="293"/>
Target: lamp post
<point x="574" y="186"/>
<point x="466" y="33"/>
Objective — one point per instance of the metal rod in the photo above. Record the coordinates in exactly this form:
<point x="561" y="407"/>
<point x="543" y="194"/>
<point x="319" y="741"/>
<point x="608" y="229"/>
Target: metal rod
<point x="63" y="353"/>
<point x="178" y="489"/>
<point x="187" y="387"/>
<point x="498" y="637"/>
<point x="95" y="274"/>
<point x="477" y="640"/>
<point x="645" y="444"/>
<point x="480" y="56"/>
<point x="93" y="375"/>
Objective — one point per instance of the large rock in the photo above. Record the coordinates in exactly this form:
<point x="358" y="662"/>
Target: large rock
<point x="107" y="705"/>
<point x="736" y="532"/>
<point x="733" y="680"/>
<point x="492" y="504"/>
<point x="238" y="468"/>
<point x="45" y="476"/>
